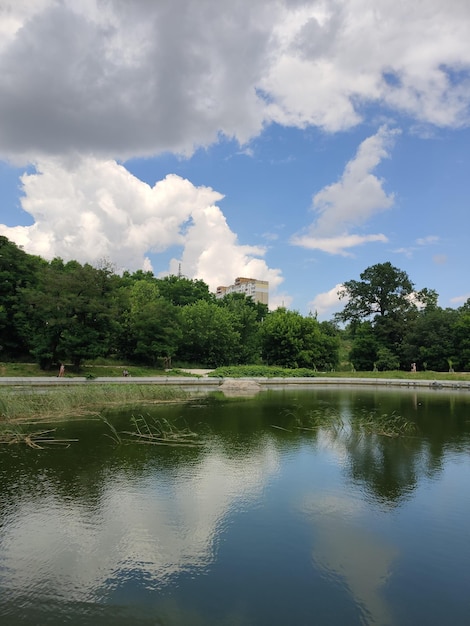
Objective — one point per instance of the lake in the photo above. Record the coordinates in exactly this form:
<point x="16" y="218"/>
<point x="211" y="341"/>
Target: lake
<point x="326" y="506"/>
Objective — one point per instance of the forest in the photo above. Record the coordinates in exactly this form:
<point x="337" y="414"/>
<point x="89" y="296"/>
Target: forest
<point x="56" y="311"/>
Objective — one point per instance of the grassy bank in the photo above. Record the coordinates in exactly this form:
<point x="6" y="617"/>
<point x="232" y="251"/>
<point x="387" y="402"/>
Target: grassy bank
<point x="249" y="371"/>
<point x="54" y="403"/>
<point x="94" y="370"/>
<point x="110" y="368"/>
<point x="399" y="375"/>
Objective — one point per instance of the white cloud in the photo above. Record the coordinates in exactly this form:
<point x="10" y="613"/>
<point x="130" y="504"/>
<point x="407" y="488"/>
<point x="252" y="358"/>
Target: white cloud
<point x="335" y="56"/>
<point x="133" y="78"/>
<point x="351" y="201"/>
<point x="336" y="245"/>
<point x="13" y="15"/>
<point x="327" y="303"/>
<point x="115" y="79"/>
<point x="426" y="241"/>
<point x="277" y="300"/>
<point x="421" y="242"/>
<point x="459" y="300"/>
<point x="89" y="209"/>
<point x="211" y="252"/>
<point x="408" y="252"/>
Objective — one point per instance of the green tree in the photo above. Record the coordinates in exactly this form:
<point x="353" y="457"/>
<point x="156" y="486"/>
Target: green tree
<point x="461" y="331"/>
<point x="153" y="324"/>
<point x="365" y="347"/>
<point x="432" y="339"/>
<point x="386" y="360"/>
<point x="209" y="335"/>
<point x="290" y="340"/>
<point x="68" y="314"/>
<point x="385" y="297"/>
<point x="18" y="270"/>
<point x="182" y="291"/>
<point x="245" y="313"/>
<point x="383" y="290"/>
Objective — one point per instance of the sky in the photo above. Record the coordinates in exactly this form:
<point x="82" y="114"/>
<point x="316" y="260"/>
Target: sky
<point x="294" y="141"/>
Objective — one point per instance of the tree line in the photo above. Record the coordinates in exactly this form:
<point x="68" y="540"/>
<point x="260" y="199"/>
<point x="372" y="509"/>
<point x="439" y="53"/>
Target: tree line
<point x="391" y="325"/>
<point x="55" y="311"/>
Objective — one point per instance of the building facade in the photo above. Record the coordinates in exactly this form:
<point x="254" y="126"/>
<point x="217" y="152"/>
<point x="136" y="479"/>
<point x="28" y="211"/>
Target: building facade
<point x="258" y="290"/>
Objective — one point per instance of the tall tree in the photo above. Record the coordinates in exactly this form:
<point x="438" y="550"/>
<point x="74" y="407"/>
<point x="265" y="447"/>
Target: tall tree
<point x="18" y="270"/>
<point x="245" y="322"/>
<point x="385" y="297"/>
<point x="68" y="314"/>
<point x="154" y="330"/>
<point x="383" y="290"/>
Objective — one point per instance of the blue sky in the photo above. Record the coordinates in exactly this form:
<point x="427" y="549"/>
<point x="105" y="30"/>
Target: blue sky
<point x="293" y="141"/>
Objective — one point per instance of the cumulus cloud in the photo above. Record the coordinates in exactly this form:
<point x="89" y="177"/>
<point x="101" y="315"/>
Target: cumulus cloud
<point x="327" y="303"/>
<point x="123" y="79"/>
<point x="87" y="209"/>
<point x="334" y="56"/>
<point x="277" y="300"/>
<point x="351" y="201"/>
<point x="84" y="84"/>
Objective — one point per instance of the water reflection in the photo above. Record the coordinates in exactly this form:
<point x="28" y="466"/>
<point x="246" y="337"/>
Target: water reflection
<point x="148" y="525"/>
<point x="281" y="514"/>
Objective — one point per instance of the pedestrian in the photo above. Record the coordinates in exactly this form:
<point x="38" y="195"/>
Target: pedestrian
<point x="61" y="370"/>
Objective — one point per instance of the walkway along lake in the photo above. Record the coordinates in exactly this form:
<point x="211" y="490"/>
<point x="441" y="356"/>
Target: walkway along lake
<point x="213" y="383"/>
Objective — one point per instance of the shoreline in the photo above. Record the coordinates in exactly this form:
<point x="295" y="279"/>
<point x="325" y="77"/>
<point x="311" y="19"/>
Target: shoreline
<point x="213" y="384"/>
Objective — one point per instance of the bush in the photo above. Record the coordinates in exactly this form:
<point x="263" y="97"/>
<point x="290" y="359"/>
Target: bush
<point x="261" y="371"/>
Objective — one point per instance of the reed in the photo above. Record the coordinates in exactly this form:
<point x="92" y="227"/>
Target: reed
<point x="13" y="434"/>
<point x="385" y="424"/>
<point x="21" y="404"/>
<point x="369" y="422"/>
<point x="159" y="432"/>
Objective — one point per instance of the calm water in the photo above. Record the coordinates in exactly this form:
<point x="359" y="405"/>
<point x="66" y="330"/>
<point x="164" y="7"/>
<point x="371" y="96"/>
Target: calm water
<point x="278" y="517"/>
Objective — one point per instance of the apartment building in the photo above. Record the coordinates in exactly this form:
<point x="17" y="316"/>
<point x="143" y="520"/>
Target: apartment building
<point x="256" y="289"/>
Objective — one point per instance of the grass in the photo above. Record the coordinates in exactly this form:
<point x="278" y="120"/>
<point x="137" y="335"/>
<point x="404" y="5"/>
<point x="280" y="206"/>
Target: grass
<point x="401" y="375"/>
<point x="29" y="404"/>
<point x="88" y="370"/>
<point x="110" y="368"/>
<point x="247" y="371"/>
